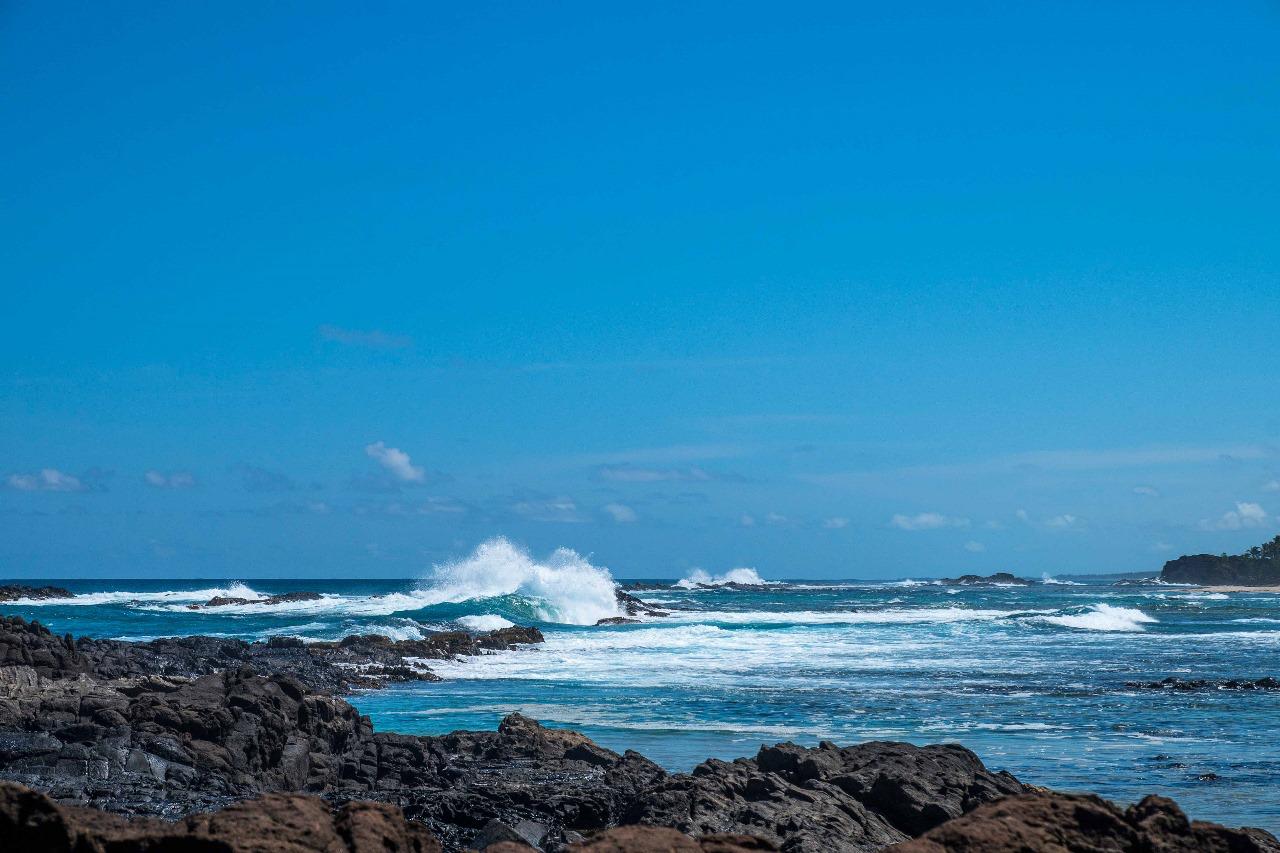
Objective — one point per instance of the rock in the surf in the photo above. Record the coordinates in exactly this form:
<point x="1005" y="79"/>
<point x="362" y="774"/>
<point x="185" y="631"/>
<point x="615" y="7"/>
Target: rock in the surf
<point x="17" y="592"/>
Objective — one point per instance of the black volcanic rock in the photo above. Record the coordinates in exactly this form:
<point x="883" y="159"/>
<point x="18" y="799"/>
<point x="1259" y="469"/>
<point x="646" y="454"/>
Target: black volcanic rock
<point x="31" y="823"/>
<point x="827" y="798"/>
<point x="1259" y="566"/>
<point x="183" y="726"/>
<point x="186" y="725"/>
<point x="283" y="598"/>
<point x="1180" y="684"/>
<point x="633" y="606"/>
<point x="1064" y="823"/>
<point x="13" y="592"/>
<point x="998" y="579"/>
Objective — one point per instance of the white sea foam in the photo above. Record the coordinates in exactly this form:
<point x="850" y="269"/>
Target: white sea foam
<point x="565" y="587"/>
<point x="485" y="622"/>
<point x="91" y="599"/>
<point x="1104" y="617"/>
<point x="744" y="576"/>
<point x="894" y="615"/>
<point x="1046" y="578"/>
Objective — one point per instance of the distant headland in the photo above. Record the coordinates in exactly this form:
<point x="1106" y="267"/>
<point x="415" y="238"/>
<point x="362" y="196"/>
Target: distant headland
<point x="1257" y="567"/>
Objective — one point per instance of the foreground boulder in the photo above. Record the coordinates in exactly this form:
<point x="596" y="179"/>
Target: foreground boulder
<point x="827" y="798"/>
<point x="1061" y="823"/>
<point x="275" y="824"/>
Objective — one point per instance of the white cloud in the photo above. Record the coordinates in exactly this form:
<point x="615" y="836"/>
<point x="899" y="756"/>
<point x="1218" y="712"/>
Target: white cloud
<point x="776" y="518"/>
<point x="48" y="480"/>
<point x="1273" y="486"/>
<point x="927" y="521"/>
<point x="974" y="547"/>
<point x="551" y="509"/>
<point x="836" y="523"/>
<point x="1066" y="521"/>
<point x="747" y="520"/>
<point x="1161" y="547"/>
<point x="176" y="480"/>
<point x="1245" y="515"/>
<point x="620" y="513"/>
<point x="1023" y="515"/>
<point x="1147" y="491"/>
<point x="396" y="461"/>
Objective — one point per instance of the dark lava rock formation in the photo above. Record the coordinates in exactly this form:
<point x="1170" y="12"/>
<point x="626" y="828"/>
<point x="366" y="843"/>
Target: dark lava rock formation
<point x="998" y="579"/>
<point x="1060" y="823"/>
<point x="1042" y="822"/>
<point x="1181" y="684"/>
<point x="283" y="598"/>
<point x="13" y="592"/>
<point x="180" y="728"/>
<point x="632" y="606"/>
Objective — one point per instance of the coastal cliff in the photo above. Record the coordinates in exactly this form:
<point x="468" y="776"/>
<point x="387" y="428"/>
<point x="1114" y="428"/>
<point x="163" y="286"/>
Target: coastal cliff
<point x="1259" y="566"/>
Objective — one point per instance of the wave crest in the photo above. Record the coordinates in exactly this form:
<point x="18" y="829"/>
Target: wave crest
<point x="565" y="587"/>
<point x="741" y="576"/>
<point x="1104" y="617"/>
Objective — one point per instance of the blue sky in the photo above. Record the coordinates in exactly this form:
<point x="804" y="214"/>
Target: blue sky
<point x="831" y="291"/>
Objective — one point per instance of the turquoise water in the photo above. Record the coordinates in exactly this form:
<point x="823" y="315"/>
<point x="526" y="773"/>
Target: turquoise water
<point x="1032" y="679"/>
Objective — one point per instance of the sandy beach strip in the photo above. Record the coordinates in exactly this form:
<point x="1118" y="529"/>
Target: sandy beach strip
<point x="1275" y="588"/>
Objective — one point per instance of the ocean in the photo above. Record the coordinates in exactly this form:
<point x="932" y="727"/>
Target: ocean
<point x="1033" y="679"/>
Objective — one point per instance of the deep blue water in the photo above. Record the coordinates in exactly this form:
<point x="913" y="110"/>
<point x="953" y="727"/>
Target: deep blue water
<point x="1032" y="679"/>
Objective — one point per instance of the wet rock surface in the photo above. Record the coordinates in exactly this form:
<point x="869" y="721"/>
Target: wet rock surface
<point x="1061" y="823"/>
<point x="283" y="598"/>
<point x="179" y="728"/>
<point x="998" y="579"/>
<point x="14" y="592"/>
<point x="632" y="606"/>
<point x="1194" y="684"/>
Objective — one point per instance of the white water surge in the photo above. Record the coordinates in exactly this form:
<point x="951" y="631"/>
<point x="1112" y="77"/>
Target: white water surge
<point x="743" y="576"/>
<point x="565" y="587"/>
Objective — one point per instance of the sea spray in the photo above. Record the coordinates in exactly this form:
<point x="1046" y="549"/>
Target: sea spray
<point x="1104" y="617"/>
<point x="565" y="587"/>
<point x="740" y="576"/>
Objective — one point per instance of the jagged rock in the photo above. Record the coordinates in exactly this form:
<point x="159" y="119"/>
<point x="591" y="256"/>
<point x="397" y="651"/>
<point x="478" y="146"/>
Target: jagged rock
<point x="655" y="839"/>
<point x="31" y="823"/>
<point x="184" y="726"/>
<point x="829" y="798"/>
<point x="632" y="606"/>
<point x="1063" y="823"/>
<point x="617" y="620"/>
<point x="1181" y="684"/>
<point x="998" y="579"/>
<point x="283" y="598"/>
<point x="13" y="592"/>
<point x="355" y="662"/>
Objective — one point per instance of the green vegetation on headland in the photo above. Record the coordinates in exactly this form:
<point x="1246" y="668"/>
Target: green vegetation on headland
<point x="1259" y="566"/>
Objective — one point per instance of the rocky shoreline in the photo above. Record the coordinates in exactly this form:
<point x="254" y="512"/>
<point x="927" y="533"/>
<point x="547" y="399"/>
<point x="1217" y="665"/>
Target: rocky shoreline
<point x="234" y="744"/>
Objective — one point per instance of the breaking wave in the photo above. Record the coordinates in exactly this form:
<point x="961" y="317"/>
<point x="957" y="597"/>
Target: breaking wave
<point x="565" y="587"/>
<point x="742" y="576"/>
<point x="1104" y="617"/>
<point x="485" y="622"/>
